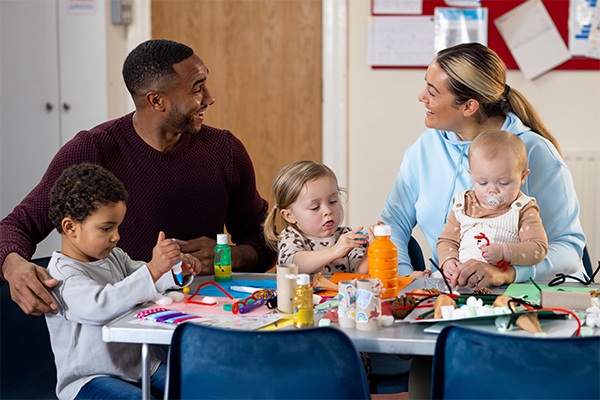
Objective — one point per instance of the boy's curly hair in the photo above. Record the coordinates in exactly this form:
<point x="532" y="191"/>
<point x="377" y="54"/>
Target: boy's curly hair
<point x="80" y="190"/>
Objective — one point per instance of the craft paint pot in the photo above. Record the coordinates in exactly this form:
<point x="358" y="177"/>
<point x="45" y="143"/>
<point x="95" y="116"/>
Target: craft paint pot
<point x="368" y="305"/>
<point x="347" y="307"/>
<point x="286" y="287"/>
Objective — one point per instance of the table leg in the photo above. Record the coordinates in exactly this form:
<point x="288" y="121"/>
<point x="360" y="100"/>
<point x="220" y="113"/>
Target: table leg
<point x="145" y="371"/>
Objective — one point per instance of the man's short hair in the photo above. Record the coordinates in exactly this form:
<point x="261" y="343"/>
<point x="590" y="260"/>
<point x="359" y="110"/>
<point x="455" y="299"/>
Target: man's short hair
<point x="80" y="191"/>
<point x="152" y="62"/>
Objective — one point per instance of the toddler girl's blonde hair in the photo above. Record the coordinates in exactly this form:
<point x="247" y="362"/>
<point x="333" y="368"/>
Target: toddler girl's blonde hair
<point x="288" y="184"/>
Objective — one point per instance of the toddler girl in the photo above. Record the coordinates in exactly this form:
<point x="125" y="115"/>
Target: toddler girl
<point x="307" y="197"/>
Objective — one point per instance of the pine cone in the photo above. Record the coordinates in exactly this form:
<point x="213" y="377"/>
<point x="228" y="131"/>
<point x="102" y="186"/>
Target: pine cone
<point x="482" y="290"/>
<point x="403" y="301"/>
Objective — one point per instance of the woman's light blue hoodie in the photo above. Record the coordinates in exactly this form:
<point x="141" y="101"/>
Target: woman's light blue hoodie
<point x="435" y="167"/>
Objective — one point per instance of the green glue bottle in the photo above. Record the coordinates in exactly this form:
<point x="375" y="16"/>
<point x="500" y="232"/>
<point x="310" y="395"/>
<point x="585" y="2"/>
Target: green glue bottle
<point x="222" y="259"/>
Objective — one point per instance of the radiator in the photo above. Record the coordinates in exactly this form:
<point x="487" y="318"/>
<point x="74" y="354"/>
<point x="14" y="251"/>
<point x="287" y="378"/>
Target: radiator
<point x="585" y="167"/>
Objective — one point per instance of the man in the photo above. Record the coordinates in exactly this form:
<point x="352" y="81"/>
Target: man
<point x="184" y="178"/>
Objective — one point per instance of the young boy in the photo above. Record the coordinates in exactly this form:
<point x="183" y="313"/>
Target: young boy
<point x="495" y="222"/>
<point x="97" y="283"/>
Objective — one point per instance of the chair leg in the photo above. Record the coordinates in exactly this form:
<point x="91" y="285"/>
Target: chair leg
<point x="419" y="380"/>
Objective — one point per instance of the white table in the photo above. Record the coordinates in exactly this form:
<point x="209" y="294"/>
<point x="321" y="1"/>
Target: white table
<point x="401" y="338"/>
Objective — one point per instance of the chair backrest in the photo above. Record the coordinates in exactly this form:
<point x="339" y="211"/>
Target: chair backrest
<point x="416" y="255"/>
<point x="587" y="263"/>
<point x="470" y="364"/>
<point x="207" y="362"/>
<point x="27" y="363"/>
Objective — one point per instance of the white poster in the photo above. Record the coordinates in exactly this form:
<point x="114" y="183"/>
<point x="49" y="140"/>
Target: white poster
<point x="401" y="41"/>
<point x="457" y="25"/>
<point x="532" y="38"/>
<point x="397" y="6"/>
<point x="581" y="14"/>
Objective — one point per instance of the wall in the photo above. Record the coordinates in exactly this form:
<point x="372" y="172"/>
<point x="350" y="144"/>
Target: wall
<point x="385" y="118"/>
<point x="121" y="39"/>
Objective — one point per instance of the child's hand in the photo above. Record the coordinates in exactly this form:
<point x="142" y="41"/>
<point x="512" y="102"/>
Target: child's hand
<point x="190" y="264"/>
<point x="348" y="241"/>
<point x="492" y="253"/>
<point x="449" y="266"/>
<point x="164" y="255"/>
<point x="372" y="232"/>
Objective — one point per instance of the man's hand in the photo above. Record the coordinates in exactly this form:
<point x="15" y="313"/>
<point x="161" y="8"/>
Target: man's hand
<point x="203" y="249"/>
<point x="28" y="283"/>
<point x="243" y="257"/>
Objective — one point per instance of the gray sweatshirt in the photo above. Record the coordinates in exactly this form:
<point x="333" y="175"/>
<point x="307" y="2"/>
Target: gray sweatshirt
<point x="91" y="295"/>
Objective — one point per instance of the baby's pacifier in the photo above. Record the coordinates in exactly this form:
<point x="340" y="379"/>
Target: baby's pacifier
<point x="494" y="200"/>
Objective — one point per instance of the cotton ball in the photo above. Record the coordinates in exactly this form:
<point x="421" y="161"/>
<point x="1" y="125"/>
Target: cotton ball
<point x="474" y="302"/>
<point x="593" y="320"/>
<point x="209" y="300"/>
<point x="482" y="311"/>
<point x="502" y="323"/>
<point x="447" y="312"/>
<point x="593" y="310"/>
<point x="458" y="313"/>
<point x="176" y="296"/>
<point x="469" y="311"/>
<point x="163" y="300"/>
<point x="501" y="310"/>
<point x="595" y="301"/>
<point x="387" y="320"/>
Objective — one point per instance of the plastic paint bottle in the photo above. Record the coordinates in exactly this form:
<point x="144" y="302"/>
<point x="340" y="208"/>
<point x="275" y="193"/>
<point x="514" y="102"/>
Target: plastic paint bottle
<point x="222" y="259"/>
<point x="303" y="303"/>
<point x="383" y="261"/>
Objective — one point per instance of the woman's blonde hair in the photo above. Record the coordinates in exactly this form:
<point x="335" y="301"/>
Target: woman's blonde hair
<point x="287" y="186"/>
<point x="476" y="72"/>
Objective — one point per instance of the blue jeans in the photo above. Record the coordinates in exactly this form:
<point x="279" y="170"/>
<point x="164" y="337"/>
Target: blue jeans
<point x="106" y="387"/>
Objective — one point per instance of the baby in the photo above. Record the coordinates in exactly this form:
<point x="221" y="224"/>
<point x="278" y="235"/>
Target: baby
<point x="495" y="222"/>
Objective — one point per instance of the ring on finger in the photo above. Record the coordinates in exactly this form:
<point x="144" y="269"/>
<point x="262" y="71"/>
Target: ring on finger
<point x="479" y="277"/>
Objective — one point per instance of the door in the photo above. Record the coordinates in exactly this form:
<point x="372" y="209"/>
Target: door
<point x="264" y="58"/>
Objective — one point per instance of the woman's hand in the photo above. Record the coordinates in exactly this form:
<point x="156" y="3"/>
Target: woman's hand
<point x="476" y="274"/>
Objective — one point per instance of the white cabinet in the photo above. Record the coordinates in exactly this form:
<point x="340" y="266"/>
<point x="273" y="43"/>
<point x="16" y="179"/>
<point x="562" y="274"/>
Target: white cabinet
<point x="53" y="83"/>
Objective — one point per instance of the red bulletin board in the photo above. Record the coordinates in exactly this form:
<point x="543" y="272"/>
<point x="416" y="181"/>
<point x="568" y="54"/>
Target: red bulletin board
<point x="558" y="10"/>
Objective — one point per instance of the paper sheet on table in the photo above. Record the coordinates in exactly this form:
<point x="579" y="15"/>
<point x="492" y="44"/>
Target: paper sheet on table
<point x="532" y="38"/>
<point x="198" y="309"/>
<point x="213" y="291"/>
<point x="401" y="41"/>
<point x="533" y="294"/>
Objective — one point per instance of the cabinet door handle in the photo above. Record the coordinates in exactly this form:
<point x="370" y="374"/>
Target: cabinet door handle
<point x="49" y="106"/>
<point x="66" y="106"/>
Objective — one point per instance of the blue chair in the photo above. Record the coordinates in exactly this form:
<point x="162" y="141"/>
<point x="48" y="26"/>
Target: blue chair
<point x="27" y="362"/>
<point x="587" y="263"/>
<point x="416" y="255"/>
<point x="470" y="364"/>
<point x="209" y="363"/>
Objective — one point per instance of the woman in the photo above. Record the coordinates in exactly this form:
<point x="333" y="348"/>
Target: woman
<point x="465" y="94"/>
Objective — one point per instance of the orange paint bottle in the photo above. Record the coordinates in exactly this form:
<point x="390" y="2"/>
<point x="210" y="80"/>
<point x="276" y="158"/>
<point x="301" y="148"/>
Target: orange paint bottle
<point x="383" y="261"/>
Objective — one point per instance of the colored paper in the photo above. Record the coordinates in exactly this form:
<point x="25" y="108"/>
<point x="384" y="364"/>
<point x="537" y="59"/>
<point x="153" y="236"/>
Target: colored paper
<point x="533" y="294"/>
<point x="213" y="291"/>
